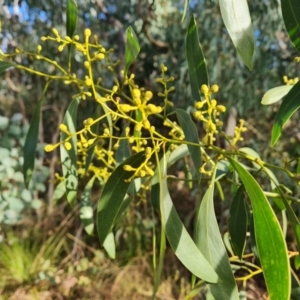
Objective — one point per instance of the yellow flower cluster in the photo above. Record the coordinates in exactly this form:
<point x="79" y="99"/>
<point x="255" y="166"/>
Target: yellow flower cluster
<point x="290" y="81"/>
<point x="238" y="132"/>
<point x="208" y="112"/>
<point x="141" y="103"/>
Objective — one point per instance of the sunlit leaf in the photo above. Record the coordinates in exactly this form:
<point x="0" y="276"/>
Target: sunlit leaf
<point x="185" y="9"/>
<point x="238" y="222"/>
<point x="110" y="246"/>
<point x="287" y="108"/>
<point x="275" y="94"/>
<point x="178" y="237"/>
<point x="69" y="157"/>
<point x="236" y="17"/>
<point x="132" y="49"/>
<point x="31" y="141"/>
<point x="195" y="59"/>
<point x="209" y="240"/>
<point x="59" y="191"/>
<point x="290" y="13"/>
<point x="86" y="209"/>
<point x="191" y="135"/>
<point x="113" y="195"/>
<point x="4" y="66"/>
<point x="270" y="241"/>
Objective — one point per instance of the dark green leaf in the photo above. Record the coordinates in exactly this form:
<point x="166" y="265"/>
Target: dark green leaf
<point x="195" y="59"/>
<point x="238" y="222"/>
<point x="31" y="141"/>
<point x="123" y="151"/>
<point x="269" y="238"/>
<point x="86" y="209"/>
<point x="94" y="128"/>
<point x="236" y="17"/>
<point x="287" y="108"/>
<point x="132" y="49"/>
<point x="179" y="239"/>
<point x="4" y="66"/>
<point x="191" y="135"/>
<point x="71" y="17"/>
<point x="292" y="217"/>
<point x="209" y="241"/>
<point x="113" y="195"/>
<point x="290" y="13"/>
<point x="69" y="157"/>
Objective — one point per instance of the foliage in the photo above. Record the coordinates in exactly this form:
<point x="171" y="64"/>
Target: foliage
<point x="15" y="199"/>
<point x="155" y="135"/>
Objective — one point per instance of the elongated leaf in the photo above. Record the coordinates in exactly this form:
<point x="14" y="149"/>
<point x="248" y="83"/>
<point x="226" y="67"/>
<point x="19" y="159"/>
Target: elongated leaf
<point x="72" y="13"/>
<point x="292" y="217"/>
<point x="113" y="194"/>
<point x="287" y="108"/>
<point x="123" y="151"/>
<point x="191" y="135"/>
<point x="238" y="222"/>
<point x="31" y="141"/>
<point x="209" y="240"/>
<point x="275" y="94"/>
<point x="4" y="65"/>
<point x="236" y="17"/>
<point x="59" y="191"/>
<point x="179" y="239"/>
<point x="185" y="9"/>
<point x="132" y="49"/>
<point x="86" y="209"/>
<point x="69" y="157"/>
<point x="94" y="128"/>
<point x="195" y="59"/>
<point x="270" y="241"/>
<point x="290" y="13"/>
<point x="110" y="246"/>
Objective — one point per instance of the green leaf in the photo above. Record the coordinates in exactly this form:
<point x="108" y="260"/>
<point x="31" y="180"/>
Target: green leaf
<point x="290" y="13"/>
<point x="209" y="240"/>
<point x="86" y="209"/>
<point x="270" y="241"/>
<point x="178" y="237"/>
<point x="195" y="59"/>
<point x="123" y="151"/>
<point x="31" y="141"/>
<point x="236" y="17"/>
<point x="238" y="222"/>
<point x="132" y="49"/>
<point x="94" y="128"/>
<point x="185" y="9"/>
<point x="4" y="65"/>
<point x="113" y="195"/>
<point x="275" y="94"/>
<point x="59" y="191"/>
<point x="69" y="157"/>
<point x="191" y="135"/>
<point x="292" y="216"/>
<point x="72" y="13"/>
<point x="110" y="246"/>
<point x="287" y="108"/>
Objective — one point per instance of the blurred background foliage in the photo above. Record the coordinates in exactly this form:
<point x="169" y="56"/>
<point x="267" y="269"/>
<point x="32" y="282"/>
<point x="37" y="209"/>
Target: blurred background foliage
<point x="161" y="34"/>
